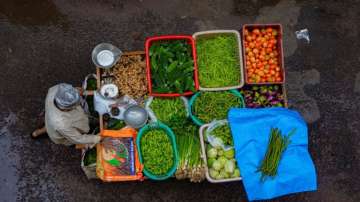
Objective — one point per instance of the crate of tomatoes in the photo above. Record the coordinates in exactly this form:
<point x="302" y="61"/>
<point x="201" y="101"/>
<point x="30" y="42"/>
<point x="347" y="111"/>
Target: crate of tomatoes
<point x="263" y="53"/>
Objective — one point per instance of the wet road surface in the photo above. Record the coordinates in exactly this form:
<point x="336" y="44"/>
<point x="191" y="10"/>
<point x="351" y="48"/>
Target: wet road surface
<point x="45" y="42"/>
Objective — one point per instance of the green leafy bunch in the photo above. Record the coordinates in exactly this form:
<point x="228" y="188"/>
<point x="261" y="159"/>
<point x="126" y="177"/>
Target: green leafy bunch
<point x="223" y="132"/>
<point x="172" y="111"/>
<point x="172" y="67"/>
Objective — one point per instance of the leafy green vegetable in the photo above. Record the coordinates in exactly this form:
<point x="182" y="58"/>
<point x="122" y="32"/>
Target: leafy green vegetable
<point x="172" y="67"/>
<point x="157" y="151"/>
<point x="90" y="157"/>
<point x="115" y="124"/>
<point x="223" y="132"/>
<point x="214" y="105"/>
<point x="218" y="61"/>
<point x="172" y="111"/>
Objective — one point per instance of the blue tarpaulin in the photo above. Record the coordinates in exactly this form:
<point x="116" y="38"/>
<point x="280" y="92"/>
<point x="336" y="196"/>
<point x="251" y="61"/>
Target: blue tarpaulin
<point x="251" y="131"/>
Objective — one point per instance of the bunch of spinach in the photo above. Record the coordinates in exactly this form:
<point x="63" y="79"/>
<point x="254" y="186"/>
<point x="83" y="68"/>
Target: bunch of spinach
<point x="172" y="67"/>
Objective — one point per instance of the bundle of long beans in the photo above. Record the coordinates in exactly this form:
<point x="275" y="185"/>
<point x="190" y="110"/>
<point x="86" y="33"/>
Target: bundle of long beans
<point x="276" y="147"/>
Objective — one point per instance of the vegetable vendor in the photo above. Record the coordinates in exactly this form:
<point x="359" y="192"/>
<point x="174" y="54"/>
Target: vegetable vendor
<point x="65" y="120"/>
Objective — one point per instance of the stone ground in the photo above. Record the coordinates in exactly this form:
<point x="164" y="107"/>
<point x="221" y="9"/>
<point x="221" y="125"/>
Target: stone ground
<point x="45" y="42"/>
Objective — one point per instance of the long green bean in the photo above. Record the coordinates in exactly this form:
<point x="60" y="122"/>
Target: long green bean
<point x="276" y="147"/>
<point x="214" y="105"/>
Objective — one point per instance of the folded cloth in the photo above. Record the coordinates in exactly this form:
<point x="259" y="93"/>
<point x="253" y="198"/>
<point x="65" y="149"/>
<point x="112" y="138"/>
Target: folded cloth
<point x="251" y="131"/>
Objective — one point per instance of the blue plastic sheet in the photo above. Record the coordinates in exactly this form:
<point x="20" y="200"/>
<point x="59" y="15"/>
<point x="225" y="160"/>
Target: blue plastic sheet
<point x="251" y="131"/>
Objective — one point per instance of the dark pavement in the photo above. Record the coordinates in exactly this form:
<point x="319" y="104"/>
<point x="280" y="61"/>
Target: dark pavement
<point x="44" y="42"/>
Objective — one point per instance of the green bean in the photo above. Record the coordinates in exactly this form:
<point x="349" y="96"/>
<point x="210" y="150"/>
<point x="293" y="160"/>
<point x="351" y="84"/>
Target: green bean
<point x="276" y="147"/>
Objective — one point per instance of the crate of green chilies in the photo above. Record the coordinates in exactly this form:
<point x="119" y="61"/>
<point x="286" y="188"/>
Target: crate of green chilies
<point x="219" y="59"/>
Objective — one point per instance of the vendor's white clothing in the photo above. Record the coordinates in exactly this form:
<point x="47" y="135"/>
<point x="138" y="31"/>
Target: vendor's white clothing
<point x="67" y="127"/>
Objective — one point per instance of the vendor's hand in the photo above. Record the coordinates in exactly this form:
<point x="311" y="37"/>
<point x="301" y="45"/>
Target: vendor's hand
<point x="80" y="90"/>
<point x="90" y="146"/>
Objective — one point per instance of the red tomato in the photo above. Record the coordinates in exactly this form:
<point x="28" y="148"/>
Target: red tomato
<point x="262" y="57"/>
<point x="274" y="33"/>
<point x="248" y="38"/>
<point x="251" y="44"/>
<point x="252" y="59"/>
<point x="277" y="69"/>
<point x="255" y="51"/>
<point x="256" y="31"/>
<point x="258" y="44"/>
<point x="246" y="32"/>
<point x="271" y="55"/>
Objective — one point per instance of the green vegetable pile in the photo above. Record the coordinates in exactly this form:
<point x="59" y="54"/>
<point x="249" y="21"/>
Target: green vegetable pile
<point x="157" y="151"/>
<point x="171" y="112"/>
<point x="221" y="164"/>
<point x="172" y="67"/>
<point x="218" y="61"/>
<point x="190" y="163"/>
<point x="276" y="147"/>
<point x="90" y="157"/>
<point x="214" y="105"/>
<point x="115" y="124"/>
<point x="91" y="84"/>
<point x="223" y="132"/>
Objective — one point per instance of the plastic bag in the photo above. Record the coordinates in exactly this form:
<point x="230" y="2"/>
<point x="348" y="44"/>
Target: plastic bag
<point x="117" y="156"/>
<point x="303" y="34"/>
<point x="216" y="141"/>
<point x="85" y="84"/>
<point x="122" y="104"/>
<point x="89" y="170"/>
<point x="103" y="106"/>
